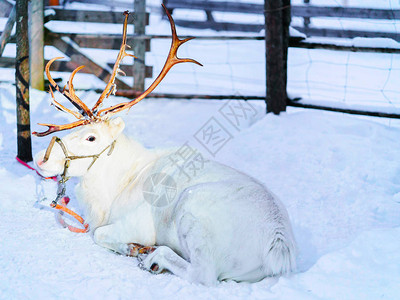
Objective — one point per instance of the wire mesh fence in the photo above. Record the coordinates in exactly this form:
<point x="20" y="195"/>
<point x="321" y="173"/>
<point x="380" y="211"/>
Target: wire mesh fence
<point x="364" y="73"/>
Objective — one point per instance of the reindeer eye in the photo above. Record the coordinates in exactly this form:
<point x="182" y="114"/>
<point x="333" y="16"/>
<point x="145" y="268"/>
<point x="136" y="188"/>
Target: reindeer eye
<point x="91" y="138"/>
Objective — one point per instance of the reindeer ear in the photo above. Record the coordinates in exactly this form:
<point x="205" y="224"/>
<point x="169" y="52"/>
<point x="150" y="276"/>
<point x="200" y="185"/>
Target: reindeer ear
<point x="117" y="125"/>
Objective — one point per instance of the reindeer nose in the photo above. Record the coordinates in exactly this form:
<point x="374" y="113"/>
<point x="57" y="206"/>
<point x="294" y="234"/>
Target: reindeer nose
<point x="40" y="162"/>
<point x="39" y="158"/>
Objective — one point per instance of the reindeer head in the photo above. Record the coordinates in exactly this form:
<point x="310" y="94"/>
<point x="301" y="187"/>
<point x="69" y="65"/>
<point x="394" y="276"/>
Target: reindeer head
<point x="99" y="130"/>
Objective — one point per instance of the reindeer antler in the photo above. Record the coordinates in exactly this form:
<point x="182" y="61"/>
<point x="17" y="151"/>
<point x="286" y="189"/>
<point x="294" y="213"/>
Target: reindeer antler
<point x="172" y="60"/>
<point x="86" y="115"/>
<point x="70" y="95"/>
<point x="63" y="108"/>
<point x="54" y="128"/>
<point x="111" y="87"/>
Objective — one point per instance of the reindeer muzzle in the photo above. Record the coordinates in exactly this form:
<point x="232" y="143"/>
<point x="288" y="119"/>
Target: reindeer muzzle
<point x="68" y="157"/>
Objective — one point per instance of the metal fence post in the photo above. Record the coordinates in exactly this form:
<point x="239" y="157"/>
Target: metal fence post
<point x="139" y="46"/>
<point x="22" y="82"/>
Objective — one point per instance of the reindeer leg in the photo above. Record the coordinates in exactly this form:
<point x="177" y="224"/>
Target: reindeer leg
<point x="200" y="266"/>
<point x="104" y="236"/>
<point x="199" y="270"/>
<point x="164" y="258"/>
<point x="109" y="237"/>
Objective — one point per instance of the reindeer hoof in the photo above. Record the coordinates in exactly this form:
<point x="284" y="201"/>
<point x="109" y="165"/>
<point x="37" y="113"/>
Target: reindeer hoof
<point x="154" y="262"/>
<point x="154" y="267"/>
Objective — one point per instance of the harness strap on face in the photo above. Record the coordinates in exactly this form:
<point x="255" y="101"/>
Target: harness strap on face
<point x="49" y="148"/>
<point x="62" y="207"/>
<point x="68" y="157"/>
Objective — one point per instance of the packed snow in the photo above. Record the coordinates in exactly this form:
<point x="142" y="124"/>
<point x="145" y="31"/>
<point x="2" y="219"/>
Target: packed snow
<point x="338" y="175"/>
<point x="237" y="67"/>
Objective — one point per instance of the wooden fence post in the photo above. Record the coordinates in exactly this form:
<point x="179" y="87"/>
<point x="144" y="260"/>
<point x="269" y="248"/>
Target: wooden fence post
<point x="22" y="82"/>
<point x="5" y="35"/>
<point x="36" y="41"/>
<point x="306" y="20"/>
<point x="139" y="46"/>
<point x="286" y="19"/>
<point x="276" y="54"/>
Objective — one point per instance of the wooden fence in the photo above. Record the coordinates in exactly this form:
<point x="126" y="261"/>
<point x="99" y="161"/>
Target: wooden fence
<point x="306" y="11"/>
<point x="71" y="44"/>
<point x="29" y="60"/>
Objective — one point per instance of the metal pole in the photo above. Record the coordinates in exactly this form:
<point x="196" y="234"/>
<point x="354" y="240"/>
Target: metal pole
<point x="22" y="82"/>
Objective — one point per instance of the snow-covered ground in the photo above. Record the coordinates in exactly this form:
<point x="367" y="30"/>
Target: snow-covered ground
<point x="237" y="67"/>
<point x="338" y="175"/>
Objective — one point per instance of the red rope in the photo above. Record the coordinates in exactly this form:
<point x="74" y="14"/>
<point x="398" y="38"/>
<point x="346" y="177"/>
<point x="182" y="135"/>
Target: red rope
<point x="33" y="169"/>
<point x="62" y="207"/>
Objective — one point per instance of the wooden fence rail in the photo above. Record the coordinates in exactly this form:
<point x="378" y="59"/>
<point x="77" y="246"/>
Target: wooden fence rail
<point x="6" y="34"/>
<point x="88" y="16"/>
<point x="345" y="12"/>
<point x="297" y="10"/>
<point x="109" y="3"/>
<point x="340" y="33"/>
<point x="304" y="11"/>
<point x="5" y="8"/>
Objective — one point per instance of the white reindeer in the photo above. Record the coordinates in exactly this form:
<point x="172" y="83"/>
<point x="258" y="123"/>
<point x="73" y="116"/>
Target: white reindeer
<point x="220" y="225"/>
